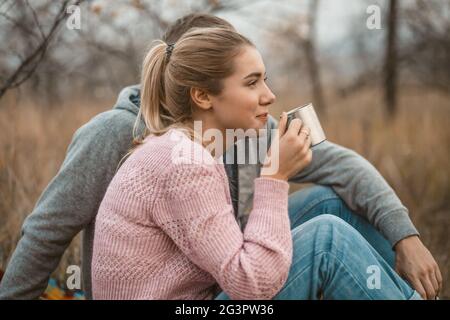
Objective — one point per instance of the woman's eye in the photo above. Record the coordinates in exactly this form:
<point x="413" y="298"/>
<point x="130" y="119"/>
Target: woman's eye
<point x="256" y="81"/>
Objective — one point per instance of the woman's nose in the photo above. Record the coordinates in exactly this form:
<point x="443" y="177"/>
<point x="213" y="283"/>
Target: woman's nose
<point x="268" y="97"/>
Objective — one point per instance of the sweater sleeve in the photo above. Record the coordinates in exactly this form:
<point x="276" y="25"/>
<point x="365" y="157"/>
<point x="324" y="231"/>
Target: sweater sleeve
<point x="197" y="215"/>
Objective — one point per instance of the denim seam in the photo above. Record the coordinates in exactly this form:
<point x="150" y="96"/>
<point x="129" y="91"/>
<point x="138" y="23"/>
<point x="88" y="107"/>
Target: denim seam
<point x="413" y="293"/>
<point x="345" y="267"/>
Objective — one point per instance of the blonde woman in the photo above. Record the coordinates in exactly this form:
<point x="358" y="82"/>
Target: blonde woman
<point x="166" y="229"/>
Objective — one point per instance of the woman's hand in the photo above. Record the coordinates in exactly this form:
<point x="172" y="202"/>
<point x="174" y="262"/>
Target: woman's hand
<point x="416" y="264"/>
<point x="292" y="147"/>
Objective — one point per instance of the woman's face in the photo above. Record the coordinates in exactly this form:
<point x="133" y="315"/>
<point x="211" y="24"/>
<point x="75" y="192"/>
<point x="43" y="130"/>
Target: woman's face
<point x="245" y="99"/>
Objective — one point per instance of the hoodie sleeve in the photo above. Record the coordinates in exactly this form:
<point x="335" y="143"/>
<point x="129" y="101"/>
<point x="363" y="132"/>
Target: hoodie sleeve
<point x="68" y="204"/>
<point x="360" y="185"/>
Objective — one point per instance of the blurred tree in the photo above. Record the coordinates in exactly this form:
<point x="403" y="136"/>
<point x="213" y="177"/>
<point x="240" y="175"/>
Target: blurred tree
<point x="94" y="61"/>
<point x="390" y="64"/>
<point x="417" y="50"/>
<point x="426" y="51"/>
<point x="308" y="42"/>
<point x="298" y="33"/>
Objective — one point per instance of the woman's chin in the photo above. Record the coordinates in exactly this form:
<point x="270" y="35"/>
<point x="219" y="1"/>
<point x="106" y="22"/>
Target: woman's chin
<point x="261" y="122"/>
<point x="253" y="128"/>
<point x="256" y="127"/>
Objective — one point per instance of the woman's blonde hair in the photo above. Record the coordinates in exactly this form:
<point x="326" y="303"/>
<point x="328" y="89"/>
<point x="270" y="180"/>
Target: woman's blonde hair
<point x="201" y="58"/>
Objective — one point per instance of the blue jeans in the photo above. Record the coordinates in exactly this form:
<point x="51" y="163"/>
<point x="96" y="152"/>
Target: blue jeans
<point x="336" y="253"/>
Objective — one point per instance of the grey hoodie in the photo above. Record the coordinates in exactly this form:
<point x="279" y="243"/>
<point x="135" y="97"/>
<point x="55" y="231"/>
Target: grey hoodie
<point x="70" y="202"/>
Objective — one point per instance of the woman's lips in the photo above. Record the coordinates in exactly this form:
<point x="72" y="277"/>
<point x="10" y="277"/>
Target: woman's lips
<point x="263" y="117"/>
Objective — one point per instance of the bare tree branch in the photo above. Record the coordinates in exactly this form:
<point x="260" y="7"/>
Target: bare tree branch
<point x="36" y="20"/>
<point x="18" y="24"/>
<point x="31" y="62"/>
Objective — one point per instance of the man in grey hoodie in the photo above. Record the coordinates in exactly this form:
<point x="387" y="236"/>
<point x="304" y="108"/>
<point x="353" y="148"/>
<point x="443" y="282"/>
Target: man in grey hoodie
<point x="70" y="202"/>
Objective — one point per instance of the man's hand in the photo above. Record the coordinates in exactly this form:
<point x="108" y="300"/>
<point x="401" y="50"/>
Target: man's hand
<point x="416" y="264"/>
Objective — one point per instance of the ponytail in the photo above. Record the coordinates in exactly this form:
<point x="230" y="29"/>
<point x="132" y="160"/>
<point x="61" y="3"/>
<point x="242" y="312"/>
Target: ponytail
<point x="152" y="94"/>
<point x="152" y="98"/>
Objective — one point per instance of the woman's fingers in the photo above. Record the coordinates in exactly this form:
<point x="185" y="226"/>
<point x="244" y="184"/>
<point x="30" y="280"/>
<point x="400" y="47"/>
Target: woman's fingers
<point x="294" y="127"/>
<point x="305" y="134"/>
<point x="282" y="124"/>
<point x="305" y="131"/>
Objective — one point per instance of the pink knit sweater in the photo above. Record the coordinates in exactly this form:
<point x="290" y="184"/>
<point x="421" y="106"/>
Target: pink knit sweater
<point x="166" y="229"/>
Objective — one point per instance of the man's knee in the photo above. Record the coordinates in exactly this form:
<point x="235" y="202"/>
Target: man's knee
<point x="329" y="220"/>
<point x="314" y="194"/>
<point x="316" y="200"/>
<point x="325" y="226"/>
<point x="325" y="191"/>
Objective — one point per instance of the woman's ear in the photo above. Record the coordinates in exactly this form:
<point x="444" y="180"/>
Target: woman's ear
<point x="201" y="98"/>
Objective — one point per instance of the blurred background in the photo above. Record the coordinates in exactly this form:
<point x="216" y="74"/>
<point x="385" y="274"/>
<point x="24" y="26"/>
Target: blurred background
<point x="378" y="73"/>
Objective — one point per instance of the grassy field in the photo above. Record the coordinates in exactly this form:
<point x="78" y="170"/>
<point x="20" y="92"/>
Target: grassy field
<point x="411" y="152"/>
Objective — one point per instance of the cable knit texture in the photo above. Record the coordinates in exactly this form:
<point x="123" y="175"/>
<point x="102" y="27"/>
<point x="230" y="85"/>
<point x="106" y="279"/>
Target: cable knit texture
<point x="166" y="229"/>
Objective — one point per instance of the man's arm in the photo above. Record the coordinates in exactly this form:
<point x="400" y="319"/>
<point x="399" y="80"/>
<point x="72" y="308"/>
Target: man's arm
<point x="360" y="186"/>
<point x="365" y="191"/>
<point x="68" y="204"/>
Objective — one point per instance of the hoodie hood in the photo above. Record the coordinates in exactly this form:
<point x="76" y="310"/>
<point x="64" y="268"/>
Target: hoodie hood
<point x="129" y="99"/>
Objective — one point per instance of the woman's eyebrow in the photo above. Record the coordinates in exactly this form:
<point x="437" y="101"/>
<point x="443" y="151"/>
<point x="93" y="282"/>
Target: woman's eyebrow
<point x="255" y="74"/>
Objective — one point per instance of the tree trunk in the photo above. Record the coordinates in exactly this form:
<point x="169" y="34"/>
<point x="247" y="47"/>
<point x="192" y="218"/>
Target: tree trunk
<point x="390" y="68"/>
<point x="311" y="60"/>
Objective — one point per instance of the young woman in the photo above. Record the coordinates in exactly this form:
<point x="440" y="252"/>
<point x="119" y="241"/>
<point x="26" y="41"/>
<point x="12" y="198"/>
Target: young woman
<point x="166" y="229"/>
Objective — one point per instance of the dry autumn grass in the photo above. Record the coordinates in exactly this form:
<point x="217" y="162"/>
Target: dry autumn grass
<point x="412" y="153"/>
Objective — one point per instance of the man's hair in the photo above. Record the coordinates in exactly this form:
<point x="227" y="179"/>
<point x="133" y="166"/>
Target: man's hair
<point x="193" y="20"/>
